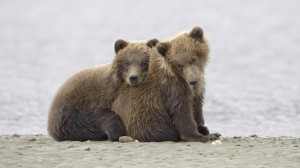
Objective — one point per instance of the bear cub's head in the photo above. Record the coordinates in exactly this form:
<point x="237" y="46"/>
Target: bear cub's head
<point x="132" y="60"/>
<point x="186" y="55"/>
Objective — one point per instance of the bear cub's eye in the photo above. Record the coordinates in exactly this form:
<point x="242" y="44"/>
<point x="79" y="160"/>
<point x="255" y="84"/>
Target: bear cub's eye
<point x="126" y="63"/>
<point x="193" y="60"/>
<point x="179" y="65"/>
<point x="143" y="64"/>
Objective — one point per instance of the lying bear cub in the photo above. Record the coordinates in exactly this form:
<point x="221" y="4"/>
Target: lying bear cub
<point x="167" y="105"/>
<point x="81" y="109"/>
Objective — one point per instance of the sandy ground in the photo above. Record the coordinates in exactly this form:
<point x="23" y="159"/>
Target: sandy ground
<point x="41" y="150"/>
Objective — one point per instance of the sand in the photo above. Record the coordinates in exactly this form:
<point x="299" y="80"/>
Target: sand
<point x="42" y="150"/>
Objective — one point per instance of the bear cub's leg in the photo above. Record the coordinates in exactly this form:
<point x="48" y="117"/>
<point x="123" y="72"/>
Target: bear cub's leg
<point x="198" y="115"/>
<point x="111" y="124"/>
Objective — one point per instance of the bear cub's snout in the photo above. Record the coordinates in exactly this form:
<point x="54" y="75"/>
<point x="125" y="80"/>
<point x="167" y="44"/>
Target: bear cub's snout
<point x="134" y="79"/>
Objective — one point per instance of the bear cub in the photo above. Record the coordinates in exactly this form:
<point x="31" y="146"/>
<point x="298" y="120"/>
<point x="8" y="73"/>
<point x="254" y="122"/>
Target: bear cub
<point x="187" y="56"/>
<point x="81" y="109"/>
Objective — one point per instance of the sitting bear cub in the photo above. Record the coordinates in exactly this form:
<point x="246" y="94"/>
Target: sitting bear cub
<point x="187" y="55"/>
<point x="165" y="106"/>
<point x="81" y="109"/>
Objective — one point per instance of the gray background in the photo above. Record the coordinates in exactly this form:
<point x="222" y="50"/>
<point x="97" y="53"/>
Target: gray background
<point x="253" y="78"/>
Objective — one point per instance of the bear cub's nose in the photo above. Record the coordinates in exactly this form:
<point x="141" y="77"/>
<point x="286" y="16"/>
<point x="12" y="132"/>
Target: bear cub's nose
<point x="193" y="82"/>
<point x="133" y="79"/>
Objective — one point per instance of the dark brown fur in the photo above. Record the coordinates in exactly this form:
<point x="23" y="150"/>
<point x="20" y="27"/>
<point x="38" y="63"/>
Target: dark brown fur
<point x="81" y="109"/>
<point x="167" y="107"/>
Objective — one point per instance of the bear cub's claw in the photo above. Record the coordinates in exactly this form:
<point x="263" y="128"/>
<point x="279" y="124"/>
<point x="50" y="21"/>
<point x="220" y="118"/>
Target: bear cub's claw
<point x="214" y="136"/>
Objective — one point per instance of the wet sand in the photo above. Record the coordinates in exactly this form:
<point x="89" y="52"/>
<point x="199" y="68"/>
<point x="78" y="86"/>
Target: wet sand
<point x="41" y="150"/>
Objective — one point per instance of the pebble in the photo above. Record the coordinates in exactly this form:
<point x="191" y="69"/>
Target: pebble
<point x="71" y="146"/>
<point x="253" y="136"/>
<point x="32" y="139"/>
<point x="125" y="139"/>
<point x="237" y="137"/>
<point x="216" y="142"/>
<point x="15" y="136"/>
<point x="87" y="149"/>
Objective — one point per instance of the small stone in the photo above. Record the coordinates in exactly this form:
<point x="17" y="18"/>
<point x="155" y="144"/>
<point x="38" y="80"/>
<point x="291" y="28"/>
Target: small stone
<point x="238" y="145"/>
<point x="19" y="153"/>
<point x="296" y="146"/>
<point x="251" y="145"/>
<point x="71" y="146"/>
<point x="15" y="136"/>
<point x="136" y="140"/>
<point x="32" y="139"/>
<point x="253" y="136"/>
<point x="237" y="137"/>
<point x="87" y="149"/>
<point x="125" y="139"/>
<point x="216" y="142"/>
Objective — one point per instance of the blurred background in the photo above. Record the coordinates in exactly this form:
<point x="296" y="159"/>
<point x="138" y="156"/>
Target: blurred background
<point x="253" y="79"/>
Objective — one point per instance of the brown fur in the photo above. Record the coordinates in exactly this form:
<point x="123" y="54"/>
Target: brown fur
<point x="81" y="109"/>
<point x="188" y="55"/>
<point x="161" y="108"/>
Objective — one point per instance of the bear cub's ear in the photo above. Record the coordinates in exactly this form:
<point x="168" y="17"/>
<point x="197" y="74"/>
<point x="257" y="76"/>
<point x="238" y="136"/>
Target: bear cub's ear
<point x="120" y="44"/>
<point x="152" y="43"/>
<point x="162" y="48"/>
<point x="196" y="33"/>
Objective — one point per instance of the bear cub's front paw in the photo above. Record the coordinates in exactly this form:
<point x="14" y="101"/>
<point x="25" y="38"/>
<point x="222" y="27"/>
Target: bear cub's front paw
<point x="203" y="130"/>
